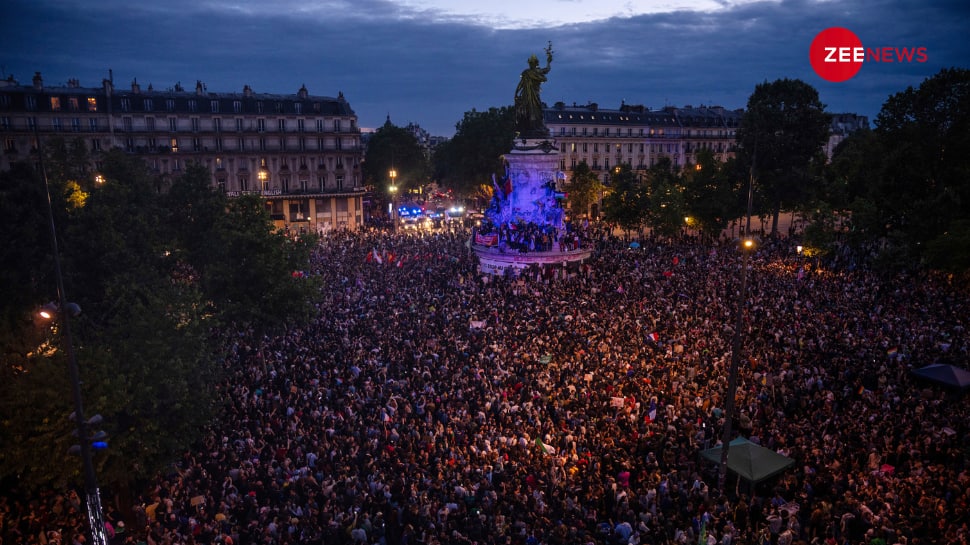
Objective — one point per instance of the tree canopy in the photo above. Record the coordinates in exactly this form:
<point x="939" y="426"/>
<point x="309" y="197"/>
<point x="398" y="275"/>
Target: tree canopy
<point x="470" y="159"/>
<point x="157" y="276"/>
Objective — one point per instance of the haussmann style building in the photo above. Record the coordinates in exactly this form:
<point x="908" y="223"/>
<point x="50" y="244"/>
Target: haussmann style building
<point x="301" y="153"/>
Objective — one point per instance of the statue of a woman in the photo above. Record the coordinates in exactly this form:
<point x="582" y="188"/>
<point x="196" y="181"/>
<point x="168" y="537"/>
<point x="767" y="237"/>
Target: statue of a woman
<point x="528" y="104"/>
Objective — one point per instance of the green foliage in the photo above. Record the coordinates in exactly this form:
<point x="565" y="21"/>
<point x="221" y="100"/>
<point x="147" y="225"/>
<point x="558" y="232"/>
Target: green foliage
<point x="712" y="193"/>
<point x="783" y="128"/>
<point x="155" y="276"/>
<point x="907" y="183"/>
<point x="584" y="188"/>
<point x="474" y="155"/>
<point x="666" y="205"/>
<point x="626" y="204"/>
<point x="395" y="148"/>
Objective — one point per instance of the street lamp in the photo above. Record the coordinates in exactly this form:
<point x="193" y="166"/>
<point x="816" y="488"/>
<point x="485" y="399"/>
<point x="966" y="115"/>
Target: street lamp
<point x="393" y="189"/>
<point x="747" y="246"/>
<point x="64" y="310"/>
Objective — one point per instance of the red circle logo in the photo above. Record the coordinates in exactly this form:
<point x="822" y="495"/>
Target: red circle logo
<point x="836" y="54"/>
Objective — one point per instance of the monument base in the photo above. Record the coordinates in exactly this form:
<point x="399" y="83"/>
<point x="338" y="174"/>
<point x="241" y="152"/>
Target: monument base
<point x="495" y="261"/>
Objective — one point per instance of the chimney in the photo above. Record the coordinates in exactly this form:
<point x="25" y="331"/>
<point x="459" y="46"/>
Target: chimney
<point x="303" y="93"/>
<point x="198" y="87"/>
<point x="135" y="88"/>
<point x="247" y="91"/>
<point x="38" y="81"/>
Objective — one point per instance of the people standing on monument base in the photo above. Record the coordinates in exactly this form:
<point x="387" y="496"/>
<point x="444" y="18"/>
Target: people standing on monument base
<point x="429" y="404"/>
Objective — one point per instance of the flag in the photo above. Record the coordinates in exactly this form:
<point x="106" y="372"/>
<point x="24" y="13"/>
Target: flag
<point x="653" y="336"/>
<point x="377" y="257"/>
<point x="370" y="257"/>
<point x="546" y="449"/>
<point x="801" y="274"/>
<point x="892" y="352"/>
<point x="508" y="185"/>
<point x="652" y="410"/>
<point x="676" y="260"/>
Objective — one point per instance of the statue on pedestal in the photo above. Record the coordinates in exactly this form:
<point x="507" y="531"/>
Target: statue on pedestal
<point x="528" y="104"/>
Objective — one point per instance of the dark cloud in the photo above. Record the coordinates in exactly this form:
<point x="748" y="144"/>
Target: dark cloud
<point x="422" y="67"/>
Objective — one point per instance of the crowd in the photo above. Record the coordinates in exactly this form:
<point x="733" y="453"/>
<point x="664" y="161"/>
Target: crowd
<point x="430" y="405"/>
<point x="525" y="236"/>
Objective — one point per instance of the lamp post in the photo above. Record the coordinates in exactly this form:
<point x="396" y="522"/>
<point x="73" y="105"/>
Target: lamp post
<point x="65" y="309"/>
<point x="393" y="189"/>
<point x="747" y="245"/>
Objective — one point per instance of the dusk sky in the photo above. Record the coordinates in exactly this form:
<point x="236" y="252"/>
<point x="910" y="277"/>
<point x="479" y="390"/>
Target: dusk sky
<point x="430" y="61"/>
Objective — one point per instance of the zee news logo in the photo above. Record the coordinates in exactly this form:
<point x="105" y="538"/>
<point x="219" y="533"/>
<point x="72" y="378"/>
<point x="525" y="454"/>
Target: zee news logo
<point x="837" y="54"/>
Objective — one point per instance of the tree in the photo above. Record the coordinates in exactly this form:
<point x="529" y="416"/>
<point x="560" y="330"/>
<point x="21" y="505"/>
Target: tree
<point x="923" y="192"/>
<point x="627" y="202"/>
<point x="470" y="159"/>
<point x="711" y="193"/>
<point x="782" y="132"/>
<point x="156" y="276"/>
<point x="666" y="203"/>
<point x="395" y="148"/>
<point x="584" y="188"/>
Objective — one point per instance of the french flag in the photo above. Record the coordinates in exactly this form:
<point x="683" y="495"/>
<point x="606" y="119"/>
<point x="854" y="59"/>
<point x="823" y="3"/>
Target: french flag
<point x="653" y="336"/>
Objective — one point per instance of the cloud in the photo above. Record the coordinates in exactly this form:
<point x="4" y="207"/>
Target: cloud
<point x="418" y="63"/>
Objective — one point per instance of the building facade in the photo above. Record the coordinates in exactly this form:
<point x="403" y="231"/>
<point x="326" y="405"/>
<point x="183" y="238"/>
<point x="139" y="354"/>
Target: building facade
<point x="639" y="137"/>
<point x="301" y="153"/>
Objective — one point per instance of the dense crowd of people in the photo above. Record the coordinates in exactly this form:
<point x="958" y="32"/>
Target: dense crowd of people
<point x="429" y="404"/>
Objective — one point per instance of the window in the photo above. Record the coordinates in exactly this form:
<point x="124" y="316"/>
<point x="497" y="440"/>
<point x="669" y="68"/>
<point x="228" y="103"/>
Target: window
<point x="150" y="123"/>
<point x="125" y="105"/>
<point x="170" y="104"/>
<point x="10" y="145"/>
<point x="278" y="107"/>
<point x="177" y="165"/>
<point x="152" y="143"/>
<point x="259" y="106"/>
<point x="93" y="125"/>
<point x="340" y="182"/>
<point x="261" y="125"/>
<point x="336" y="125"/>
<point x="282" y="143"/>
<point x="300" y="126"/>
<point x="30" y="102"/>
<point x="172" y="124"/>
<point x="562" y="131"/>
<point x="240" y="144"/>
<point x="236" y="106"/>
<point x="31" y="123"/>
<point x="244" y="183"/>
<point x="572" y="147"/>
<point x="55" y="104"/>
<point x="129" y="144"/>
<point x="262" y="144"/>
<point x="218" y="144"/>
<point x="174" y="144"/>
<point x="196" y="144"/>
<point x="217" y="124"/>
<point x="338" y="143"/>
<point x="76" y="125"/>
<point x="596" y="147"/>
<point x="239" y="125"/>
<point x="320" y="126"/>
<point x="126" y="122"/>
<point x="92" y="104"/>
<point x="95" y="144"/>
<point x="219" y="165"/>
<point x="282" y="125"/>
<point x="73" y="104"/>
<point x="193" y="105"/>
<point x="214" y="105"/>
<point x="195" y="124"/>
<point x="56" y="124"/>
<point x="298" y="108"/>
<point x="5" y="123"/>
<point x="585" y="147"/>
<point x="302" y="144"/>
<point x="584" y="131"/>
<point x="321" y="184"/>
<point x="596" y="131"/>
<point x="149" y="104"/>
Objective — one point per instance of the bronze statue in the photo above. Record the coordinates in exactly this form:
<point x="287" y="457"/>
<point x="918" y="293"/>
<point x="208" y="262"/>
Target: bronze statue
<point x="528" y="104"/>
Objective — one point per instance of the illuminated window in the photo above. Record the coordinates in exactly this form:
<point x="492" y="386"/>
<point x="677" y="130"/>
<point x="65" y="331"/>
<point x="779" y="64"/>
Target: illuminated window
<point x="55" y="104"/>
<point x="92" y="104"/>
<point x="174" y="144"/>
<point x="72" y="104"/>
